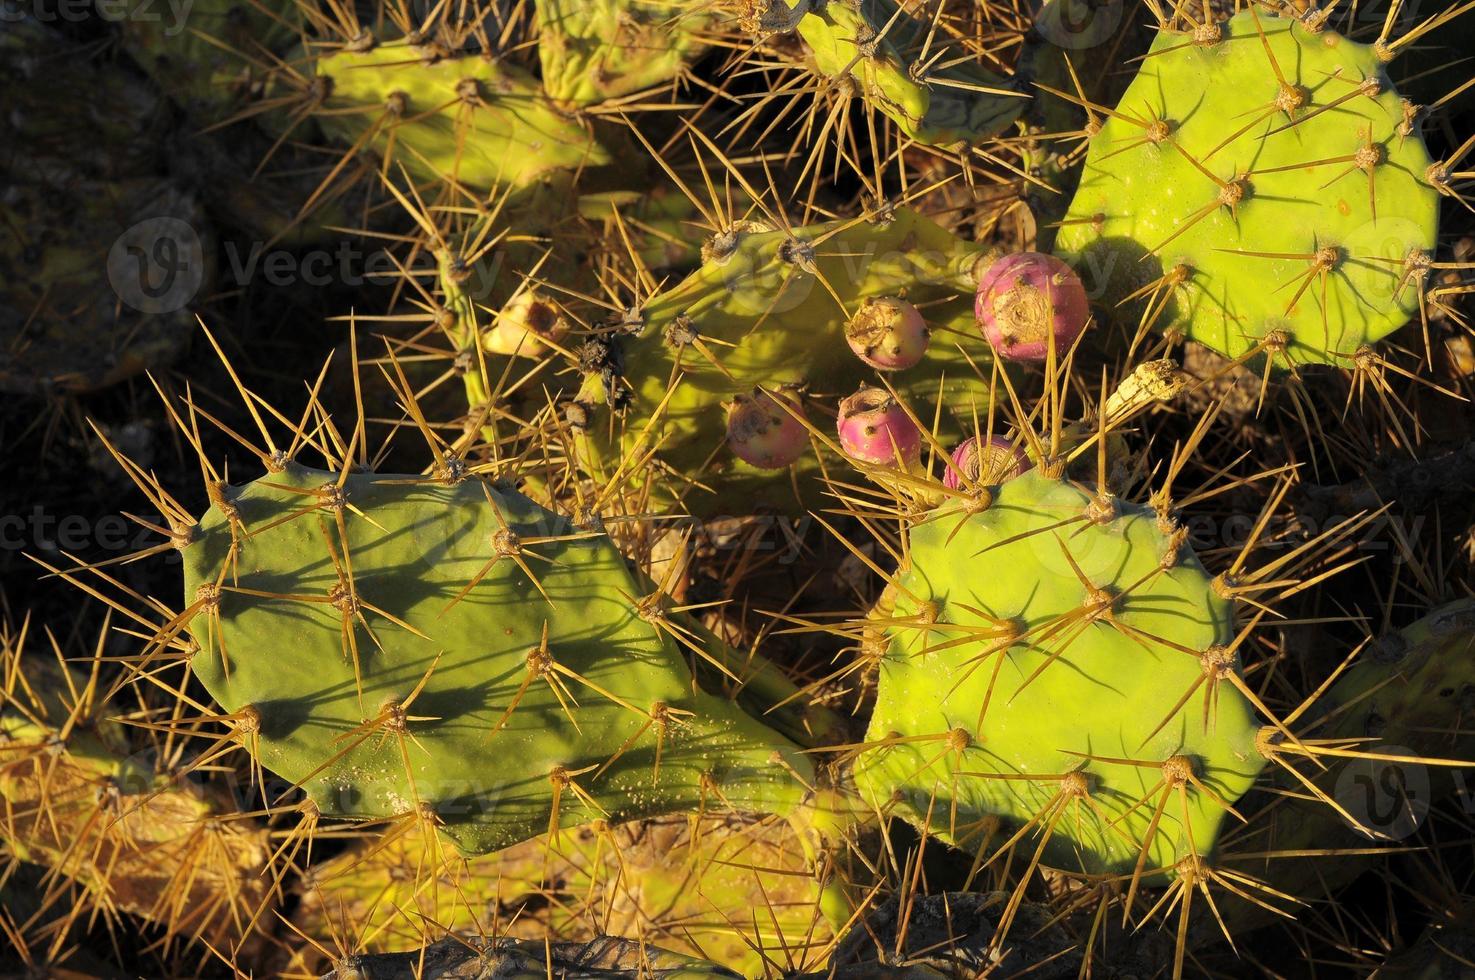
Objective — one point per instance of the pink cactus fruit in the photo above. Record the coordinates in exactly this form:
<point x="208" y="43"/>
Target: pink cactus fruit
<point x="1023" y="299"/>
<point x="992" y="463"/>
<point x="875" y="429"/>
<point x="762" y="432"/>
<point x="888" y="333"/>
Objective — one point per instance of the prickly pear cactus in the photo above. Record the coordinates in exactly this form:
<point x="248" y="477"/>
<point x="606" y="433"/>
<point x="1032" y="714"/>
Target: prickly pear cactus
<point x="894" y="60"/>
<point x="593" y="50"/>
<point x="1260" y="188"/>
<point x="489" y="311"/>
<point x="1411" y="689"/>
<point x="1058" y="660"/>
<point x="207" y="56"/>
<point x="442" y="117"/>
<point x="456" y="654"/>
<point x="686" y="883"/>
<point x="1402" y="706"/>
<point x="770" y="308"/>
<point x="81" y="803"/>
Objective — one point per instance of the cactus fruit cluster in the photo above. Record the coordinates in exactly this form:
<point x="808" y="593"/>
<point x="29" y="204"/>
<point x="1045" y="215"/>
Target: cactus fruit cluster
<point x="748" y="488"/>
<point x="802" y="314"/>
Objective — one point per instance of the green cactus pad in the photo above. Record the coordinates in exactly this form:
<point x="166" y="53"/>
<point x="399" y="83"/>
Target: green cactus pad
<point x="1112" y="691"/>
<point x="484" y="123"/>
<point x="206" y="56"/>
<point x="770" y="307"/>
<point x="593" y="50"/>
<point x="957" y="102"/>
<point x="275" y="650"/>
<point x="1252" y="191"/>
<point x="106" y="273"/>
<point x="1408" y="694"/>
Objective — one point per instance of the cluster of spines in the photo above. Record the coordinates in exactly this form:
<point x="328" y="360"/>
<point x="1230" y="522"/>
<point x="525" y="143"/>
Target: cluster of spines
<point x="114" y="817"/>
<point x="1192" y="874"/>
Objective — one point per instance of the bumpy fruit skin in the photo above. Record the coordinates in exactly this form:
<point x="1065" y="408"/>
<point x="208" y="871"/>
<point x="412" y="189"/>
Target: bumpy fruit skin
<point x="764" y="429"/>
<point x="868" y="41"/>
<point x="593" y="50"/>
<point x="1278" y="242"/>
<point x="761" y="306"/>
<point x="995" y="461"/>
<point x="1026" y="298"/>
<point x="1112" y="683"/>
<point x="874" y="428"/>
<point x="484" y="123"/>
<point x="888" y="333"/>
<point x="276" y="640"/>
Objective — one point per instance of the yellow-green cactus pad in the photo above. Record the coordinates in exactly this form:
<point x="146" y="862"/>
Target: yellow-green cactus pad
<point x="593" y="50"/>
<point x="951" y="101"/>
<point x="481" y="122"/>
<point x="1259" y="188"/>
<point x="205" y="56"/>
<point x="686" y="883"/>
<point x="1049" y="660"/>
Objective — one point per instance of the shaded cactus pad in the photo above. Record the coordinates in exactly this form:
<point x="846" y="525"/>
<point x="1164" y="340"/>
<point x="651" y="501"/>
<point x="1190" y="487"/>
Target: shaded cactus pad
<point x="552" y="691"/>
